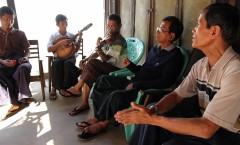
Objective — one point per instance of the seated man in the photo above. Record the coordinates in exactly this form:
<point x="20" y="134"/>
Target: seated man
<point x="14" y="65"/>
<point x="111" y="51"/>
<point x="160" y="70"/>
<point x="214" y="78"/>
<point x="64" y="72"/>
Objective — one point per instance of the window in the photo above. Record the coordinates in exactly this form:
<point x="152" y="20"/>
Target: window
<point x="37" y="19"/>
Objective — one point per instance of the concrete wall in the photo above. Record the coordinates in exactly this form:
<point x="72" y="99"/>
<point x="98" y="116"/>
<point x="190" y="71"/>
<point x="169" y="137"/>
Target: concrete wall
<point x="140" y="26"/>
<point x="191" y="12"/>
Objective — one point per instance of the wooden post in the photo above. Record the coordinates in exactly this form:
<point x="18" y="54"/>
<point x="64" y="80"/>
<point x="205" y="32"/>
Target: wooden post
<point x="11" y="4"/>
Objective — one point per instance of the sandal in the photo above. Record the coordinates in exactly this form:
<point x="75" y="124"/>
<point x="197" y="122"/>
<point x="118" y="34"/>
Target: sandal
<point x="76" y="111"/>
<point x="70" y="90"/>
<point x="63" y="93"/>
<point x="87" y="134"/>
<point x="85" y="124"/>
<point x="52" y="96"/>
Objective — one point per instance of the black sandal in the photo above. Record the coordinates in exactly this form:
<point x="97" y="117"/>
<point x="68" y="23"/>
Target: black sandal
<point x="87" y="135"/>
<point x="83" y="126"/>
<point x="52" y="96"/>
<point x="64" y="95"/>
<point x="76" y="111"/>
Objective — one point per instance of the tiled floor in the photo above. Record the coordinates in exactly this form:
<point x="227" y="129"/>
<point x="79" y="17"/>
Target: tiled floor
<point x="48" y="123"/>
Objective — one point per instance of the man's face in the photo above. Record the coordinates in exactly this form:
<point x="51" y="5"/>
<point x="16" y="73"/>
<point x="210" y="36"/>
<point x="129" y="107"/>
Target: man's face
<point x="113" y="27"/>
<point x="201" y="34"/>
<point x="162" y="32"/>
<point x="63" y="25"/>
<point x="7" y="20"/>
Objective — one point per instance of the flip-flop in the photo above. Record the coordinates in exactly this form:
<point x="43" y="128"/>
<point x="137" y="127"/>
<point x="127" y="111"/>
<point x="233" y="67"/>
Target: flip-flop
<point x="11" y="112"/>
<point x="79" y="94"/>
<point x="76" y="111"/>
<point x="88" y="135"/>
<point x="52" y="96"/>
<point x="83" y="126"/>
<point x="64" y="95"/>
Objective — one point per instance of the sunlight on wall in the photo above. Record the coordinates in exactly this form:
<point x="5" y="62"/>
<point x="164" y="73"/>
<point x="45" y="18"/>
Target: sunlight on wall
<point x="37" y="19"/>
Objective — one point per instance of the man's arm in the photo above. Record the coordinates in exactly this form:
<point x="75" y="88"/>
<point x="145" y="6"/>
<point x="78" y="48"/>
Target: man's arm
<point x="200" y="127"/>
<point x="26" y="52"/>
<point x="78" y="43"/>
<point x="62" y="43"/>
<point x="103" y="56"/>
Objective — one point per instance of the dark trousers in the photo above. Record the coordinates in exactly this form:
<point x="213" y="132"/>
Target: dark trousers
<point x="153" y="135"/>
<point x="64" y="73"/>
<point x="17" y="80"/>
<point x="110" y="96"/>
<point x="10" y="84"/>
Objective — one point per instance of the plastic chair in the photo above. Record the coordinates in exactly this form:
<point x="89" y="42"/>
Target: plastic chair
<point x="130" y="128"/>
<point x="135" y="51"/>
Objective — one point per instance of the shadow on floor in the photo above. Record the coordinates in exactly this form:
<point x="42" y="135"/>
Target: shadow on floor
<point x="48" y="123"/>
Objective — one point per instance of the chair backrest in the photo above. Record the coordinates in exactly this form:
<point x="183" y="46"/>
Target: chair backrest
<point x="34" y="49"/>
<point x="196" y="55"/>
<point x="37" y="73"/>
<point x="34" y="56"/>
<point x="135" y="49"/>
<point x="185" y="62"/>
<point x="80" y="51"/>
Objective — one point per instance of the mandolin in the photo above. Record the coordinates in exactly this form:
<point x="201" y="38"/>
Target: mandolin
<point x="68" y="50"/>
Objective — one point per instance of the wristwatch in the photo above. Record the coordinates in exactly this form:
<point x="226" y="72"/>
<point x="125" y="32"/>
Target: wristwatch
<point x="156" y="111"/>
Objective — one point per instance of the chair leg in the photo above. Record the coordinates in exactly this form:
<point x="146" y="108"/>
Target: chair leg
<point x="42" y="87"/>
<point x="50" y="60"/>
<point x="42" y="79"/>
<point x="147" y="100"/>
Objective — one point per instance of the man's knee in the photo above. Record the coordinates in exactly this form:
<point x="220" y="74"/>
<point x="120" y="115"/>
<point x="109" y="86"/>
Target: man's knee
<point x="104" y="81"/>
<point x="25" y="67"/>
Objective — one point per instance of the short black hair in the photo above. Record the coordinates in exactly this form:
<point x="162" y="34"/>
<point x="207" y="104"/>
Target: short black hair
<point x="226" y="17"/>
<point x="115" y="18"/>
<point x="6" y="10"/>
<point x="176" y="26"/>
<point x="60" y="17"/>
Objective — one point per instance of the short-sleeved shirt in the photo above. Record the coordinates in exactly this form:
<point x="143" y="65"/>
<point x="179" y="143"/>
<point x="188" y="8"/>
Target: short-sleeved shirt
<point x="117" y="49"/>
<point x="217" y="88"/>
<point x="55" y="36"/>
<point x="14" y="41"/>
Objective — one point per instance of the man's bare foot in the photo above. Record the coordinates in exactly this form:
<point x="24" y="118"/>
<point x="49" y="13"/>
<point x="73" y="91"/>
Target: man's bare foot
<point x="13" y="108"/>
<point x="74" y="91"/>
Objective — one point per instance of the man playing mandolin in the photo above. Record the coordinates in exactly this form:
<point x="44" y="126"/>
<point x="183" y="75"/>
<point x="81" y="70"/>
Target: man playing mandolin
<point x="64" y="45"/>
<point x="109" y="52"/>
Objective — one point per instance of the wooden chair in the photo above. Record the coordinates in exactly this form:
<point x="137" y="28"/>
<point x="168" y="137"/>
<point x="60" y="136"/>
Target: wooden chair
<point x="50" y="60"/>
<point x="34" y="58"/>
